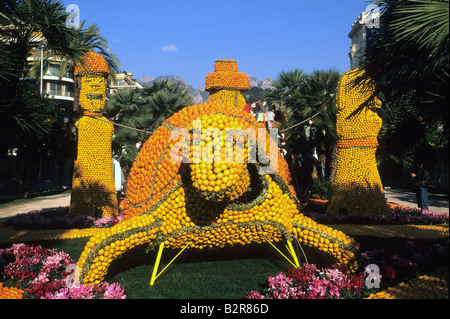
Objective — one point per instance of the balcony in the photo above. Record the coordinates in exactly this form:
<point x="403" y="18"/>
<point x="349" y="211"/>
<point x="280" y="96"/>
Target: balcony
<point x="60" y="94"/>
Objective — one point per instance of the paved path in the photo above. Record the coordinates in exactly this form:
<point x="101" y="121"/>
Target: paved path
<point x="437" y="203"/>
<point x="27" y="205"/>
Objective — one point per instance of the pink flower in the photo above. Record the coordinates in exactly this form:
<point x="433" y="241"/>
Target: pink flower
<point x="308" y="282"/>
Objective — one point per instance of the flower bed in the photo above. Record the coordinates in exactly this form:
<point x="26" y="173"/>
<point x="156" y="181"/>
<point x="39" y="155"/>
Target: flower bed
<point x="32" y="272"/>
<point x="309" y="282"/>
<point x="401" y="262"/>
<point x="397" y="215"/>
<point x="401" y="269"/>
<point x="58" y="218"/>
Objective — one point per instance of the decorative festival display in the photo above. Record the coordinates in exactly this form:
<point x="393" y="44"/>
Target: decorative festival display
<point x="211" y="176"/>
<point x="357" y="188"/>
<point x="226" y="84"/>
<point x="93" y="187"/>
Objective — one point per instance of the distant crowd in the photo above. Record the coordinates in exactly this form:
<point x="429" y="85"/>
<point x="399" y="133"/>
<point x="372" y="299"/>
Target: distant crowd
<point x="262" y="112"/>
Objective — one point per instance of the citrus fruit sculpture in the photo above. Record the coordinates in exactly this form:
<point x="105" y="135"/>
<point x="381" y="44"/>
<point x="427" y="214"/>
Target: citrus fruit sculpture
<point x="226" y="84"/>
<point x="357" y="187"/>
<point x="93" y="188"/>
<point x="210" y="176"/>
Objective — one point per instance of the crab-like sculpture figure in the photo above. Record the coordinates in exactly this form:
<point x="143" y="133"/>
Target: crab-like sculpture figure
<point x="210" y="176"/>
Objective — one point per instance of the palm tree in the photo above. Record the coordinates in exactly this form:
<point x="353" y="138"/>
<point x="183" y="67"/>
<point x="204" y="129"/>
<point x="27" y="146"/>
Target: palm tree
<point x="305" y="96"/>
<point x="121" y="107"/>
<point x="28" y="121"/>
<point x="88" y="39"/>
<point x="163" y="99"/>
<point x="409" y="63"/>
<point x="287" y="89"/>
<point x="320" y="93"/>
<point x="24" y="25"/>
<point x="122" y="103"/>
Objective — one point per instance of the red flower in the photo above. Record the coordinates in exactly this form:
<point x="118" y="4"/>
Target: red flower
<point x="388" y="272"/>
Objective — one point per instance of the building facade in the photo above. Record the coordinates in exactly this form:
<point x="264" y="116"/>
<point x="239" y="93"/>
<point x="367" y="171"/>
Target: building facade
<point x="361" y="34"/>
<point x="123" y="80"/>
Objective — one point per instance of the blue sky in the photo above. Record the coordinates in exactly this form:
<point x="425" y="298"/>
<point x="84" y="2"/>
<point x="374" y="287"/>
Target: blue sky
<point x="184" y="38"/>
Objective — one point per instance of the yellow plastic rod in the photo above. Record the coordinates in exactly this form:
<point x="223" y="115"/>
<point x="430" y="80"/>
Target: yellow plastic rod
<point x="280" y="252"/>
<point x="294" y="255"/>
<point x="155" y="267"/>
<point x="172" y="260"/>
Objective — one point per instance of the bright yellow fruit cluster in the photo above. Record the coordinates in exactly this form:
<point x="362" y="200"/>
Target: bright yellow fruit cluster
<point x="219" y="169"/>
<point x="92" y="93"/>
<point x="225" y="84"/>
<point x="328" y="240"/>
<point x="158" y="165"/>
<point x="228" y="96"/>
<point x="185" y="210"/>
<point x="357" y="188"/>
<point x="105" y="246"/>
<point x="350" y="96"/>
<point x="219" y="181"/>
<point x="93" y="181"/>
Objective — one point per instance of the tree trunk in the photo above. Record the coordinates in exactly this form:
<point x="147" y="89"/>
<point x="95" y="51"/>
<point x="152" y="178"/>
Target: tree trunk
<point x="333" y="162"/>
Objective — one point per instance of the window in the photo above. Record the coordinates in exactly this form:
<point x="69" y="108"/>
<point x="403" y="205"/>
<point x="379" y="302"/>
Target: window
<point x="54" y="69"/>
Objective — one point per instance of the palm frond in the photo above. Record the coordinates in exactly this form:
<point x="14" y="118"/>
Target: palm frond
<point x="427" y="29"/>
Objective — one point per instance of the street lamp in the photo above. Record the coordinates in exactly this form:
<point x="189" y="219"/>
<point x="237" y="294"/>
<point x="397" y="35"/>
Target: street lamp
<point x="43" y="44"/>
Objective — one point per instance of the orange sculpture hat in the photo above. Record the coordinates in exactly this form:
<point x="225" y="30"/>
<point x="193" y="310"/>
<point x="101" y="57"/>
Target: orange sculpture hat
<point x="92" y="63"/>
<point x="226" y="76"/>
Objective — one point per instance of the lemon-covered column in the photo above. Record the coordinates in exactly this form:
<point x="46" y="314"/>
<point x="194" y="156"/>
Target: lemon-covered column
<point x="93" y="188"/>
<point x="357" y="188"/>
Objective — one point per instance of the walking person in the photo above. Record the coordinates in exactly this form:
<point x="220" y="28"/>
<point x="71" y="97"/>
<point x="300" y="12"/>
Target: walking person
<point x="421" y="177"/>
<point x="257" y="109"/>
<point x="270" y="117"/>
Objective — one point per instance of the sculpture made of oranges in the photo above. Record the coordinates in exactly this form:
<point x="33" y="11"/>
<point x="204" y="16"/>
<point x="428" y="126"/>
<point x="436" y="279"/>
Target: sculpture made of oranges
<point x="93" y="186"/>
<point x="357" y="188"/>
<point x="193" y="184"/>
<point x="226" y="84"/>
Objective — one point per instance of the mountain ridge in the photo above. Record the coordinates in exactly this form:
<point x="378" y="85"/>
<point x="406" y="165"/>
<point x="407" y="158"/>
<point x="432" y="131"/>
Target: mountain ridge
<point x="200" y="95"/>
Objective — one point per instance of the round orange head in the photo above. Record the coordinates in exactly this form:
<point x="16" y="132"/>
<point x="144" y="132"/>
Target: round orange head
<point x="92" y="63"/>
